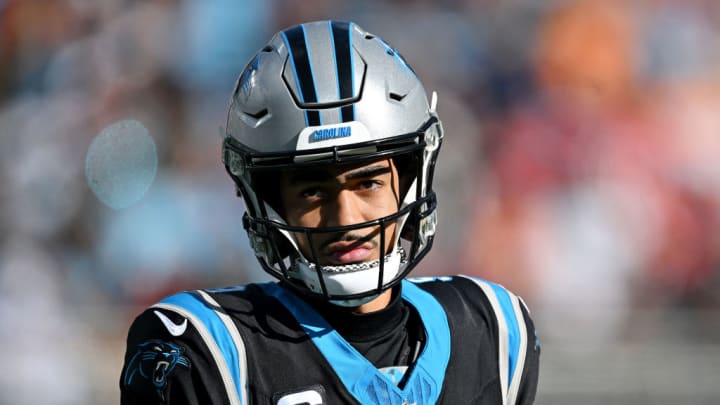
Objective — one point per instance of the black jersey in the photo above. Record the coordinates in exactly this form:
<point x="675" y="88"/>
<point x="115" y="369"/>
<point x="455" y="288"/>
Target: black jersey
<point x="262" y="344"/>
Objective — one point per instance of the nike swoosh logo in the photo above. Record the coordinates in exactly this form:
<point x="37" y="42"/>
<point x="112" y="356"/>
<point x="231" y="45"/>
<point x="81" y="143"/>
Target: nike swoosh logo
<point x="172" y="327"/>
<point x="310" y="397"/>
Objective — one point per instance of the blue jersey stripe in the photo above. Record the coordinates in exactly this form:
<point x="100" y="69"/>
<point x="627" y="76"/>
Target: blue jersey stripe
<point x="360" y="377"/>
<point x="210" y="320"/>
<point x="346" y="362"/>
<point x="435" y="356"/>
<point x="511" y="321"/>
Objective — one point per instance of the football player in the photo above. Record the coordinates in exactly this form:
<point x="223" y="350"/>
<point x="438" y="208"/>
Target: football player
<point x="332" y="142"/>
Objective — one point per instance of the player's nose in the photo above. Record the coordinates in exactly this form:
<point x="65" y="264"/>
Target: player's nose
<point x="345" y="210"/>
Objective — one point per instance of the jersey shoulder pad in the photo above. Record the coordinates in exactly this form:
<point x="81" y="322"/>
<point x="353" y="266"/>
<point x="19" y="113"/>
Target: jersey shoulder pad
<point x="191" y="319"/>
<point x="516" y="338"/>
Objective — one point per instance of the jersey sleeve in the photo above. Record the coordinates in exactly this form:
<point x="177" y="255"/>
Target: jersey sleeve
<point x="164" y="363"/>
<point x="185" y="350"/>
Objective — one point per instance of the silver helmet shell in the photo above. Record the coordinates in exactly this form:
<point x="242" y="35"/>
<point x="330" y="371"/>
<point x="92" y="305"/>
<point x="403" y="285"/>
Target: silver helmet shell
<point x="329" y="92"/>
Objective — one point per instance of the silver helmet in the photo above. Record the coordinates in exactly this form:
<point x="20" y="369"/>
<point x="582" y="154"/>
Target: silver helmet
<point x="330" y="93"/>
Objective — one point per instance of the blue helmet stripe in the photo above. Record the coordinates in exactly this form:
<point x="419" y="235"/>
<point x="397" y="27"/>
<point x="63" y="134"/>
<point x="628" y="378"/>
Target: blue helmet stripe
<point x="342" y="47"/>
<point x="352" y="67"/>
<point x="296" y="43"/>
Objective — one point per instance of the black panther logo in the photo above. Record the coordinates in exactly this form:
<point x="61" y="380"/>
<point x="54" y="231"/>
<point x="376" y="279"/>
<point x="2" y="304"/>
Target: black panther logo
<point x="152" y="363"/>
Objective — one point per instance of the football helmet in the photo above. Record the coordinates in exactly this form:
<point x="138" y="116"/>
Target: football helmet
<point x="331" y="93"/>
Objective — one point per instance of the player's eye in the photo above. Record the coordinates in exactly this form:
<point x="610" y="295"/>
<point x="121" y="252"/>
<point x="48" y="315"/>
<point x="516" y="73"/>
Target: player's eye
<point x="311" y="193"/>
<point x="369" y="184"/>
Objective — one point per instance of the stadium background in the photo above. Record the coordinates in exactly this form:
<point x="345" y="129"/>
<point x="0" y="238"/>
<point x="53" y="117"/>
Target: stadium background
<point x="581" y="168"/>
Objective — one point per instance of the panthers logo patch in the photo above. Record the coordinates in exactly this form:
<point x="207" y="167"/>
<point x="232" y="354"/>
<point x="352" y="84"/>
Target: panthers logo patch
<point x="151" y="365"/>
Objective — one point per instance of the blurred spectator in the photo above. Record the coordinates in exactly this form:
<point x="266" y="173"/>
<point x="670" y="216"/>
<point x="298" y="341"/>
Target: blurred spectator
<point x="32" y="31"/>
<point x="212" y="41"/>
<point x="44" y="347"/>
<point x="183" y="229"/>
<point x="585" y="196"/>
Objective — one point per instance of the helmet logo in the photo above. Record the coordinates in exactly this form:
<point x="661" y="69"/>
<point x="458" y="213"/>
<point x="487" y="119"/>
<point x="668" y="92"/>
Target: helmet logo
<point x="331" y="133"/>
<point x="246" y="77"/>
<point x="395" y="54"/>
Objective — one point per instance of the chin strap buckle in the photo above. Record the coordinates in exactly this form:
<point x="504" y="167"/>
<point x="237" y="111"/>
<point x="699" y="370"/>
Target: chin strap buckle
<point x="258" y="242"/>
<point x="428" y="226"/>
<point x="234" y="162"/>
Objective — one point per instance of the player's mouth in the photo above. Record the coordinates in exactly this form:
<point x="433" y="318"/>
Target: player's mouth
<point x="349" y="252"/>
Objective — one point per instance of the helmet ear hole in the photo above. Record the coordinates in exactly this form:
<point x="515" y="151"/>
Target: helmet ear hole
<point x="407" y="171"/>
<point x="284" y="248"/>
<point x="265" y="185"/>
<point x="408" y="231"/>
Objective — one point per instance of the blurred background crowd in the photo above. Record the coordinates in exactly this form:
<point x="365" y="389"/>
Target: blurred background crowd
<point x="581" y="169"/>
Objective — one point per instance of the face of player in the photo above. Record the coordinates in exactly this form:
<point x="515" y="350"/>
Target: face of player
<point x="339" y="196"/>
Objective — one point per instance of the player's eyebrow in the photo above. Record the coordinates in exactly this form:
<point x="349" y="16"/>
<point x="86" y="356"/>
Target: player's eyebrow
<point x="306" y="176"/>
<point x="368" y="172"/>
<point x="321" y="175"/>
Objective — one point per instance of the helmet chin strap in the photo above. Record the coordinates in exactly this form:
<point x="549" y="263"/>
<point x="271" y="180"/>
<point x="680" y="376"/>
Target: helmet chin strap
<point x="393" y="260"/>
<point x="356" y="278"/>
